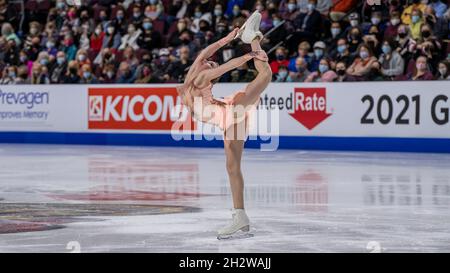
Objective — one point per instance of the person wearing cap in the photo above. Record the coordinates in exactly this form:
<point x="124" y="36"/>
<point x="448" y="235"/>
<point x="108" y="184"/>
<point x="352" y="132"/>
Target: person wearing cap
<point x="160" y="66"/>
<point x="354" y="21"/>
<point x="319" y="53"/>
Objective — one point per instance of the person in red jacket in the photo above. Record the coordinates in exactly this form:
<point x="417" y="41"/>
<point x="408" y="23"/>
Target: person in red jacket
<point x="281" y="59"/>
<point x="97" y="39"/>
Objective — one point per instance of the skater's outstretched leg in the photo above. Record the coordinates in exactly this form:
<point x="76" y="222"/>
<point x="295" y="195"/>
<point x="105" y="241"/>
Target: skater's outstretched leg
<point x="264" y="77"/>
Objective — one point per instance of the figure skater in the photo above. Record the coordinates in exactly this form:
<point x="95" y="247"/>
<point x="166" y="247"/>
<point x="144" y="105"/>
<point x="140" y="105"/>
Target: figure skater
<point x="198" y="85"/>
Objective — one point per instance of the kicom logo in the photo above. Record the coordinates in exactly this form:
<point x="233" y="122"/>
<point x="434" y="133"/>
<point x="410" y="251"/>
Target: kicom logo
<point x="310" y="106"/>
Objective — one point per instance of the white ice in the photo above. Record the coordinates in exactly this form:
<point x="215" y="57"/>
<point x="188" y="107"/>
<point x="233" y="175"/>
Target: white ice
<point x="298" y="201"/>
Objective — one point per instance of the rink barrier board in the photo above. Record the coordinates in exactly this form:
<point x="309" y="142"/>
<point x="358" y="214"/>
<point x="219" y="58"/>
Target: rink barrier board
<point x="369" y="116"/>
<point x="380" y="144"/>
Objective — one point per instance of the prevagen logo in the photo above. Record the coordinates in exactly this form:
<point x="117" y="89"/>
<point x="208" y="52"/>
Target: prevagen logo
<point x="29" y="99"/>
<point x="310" y="105"/>
<point x="156" y="108"/>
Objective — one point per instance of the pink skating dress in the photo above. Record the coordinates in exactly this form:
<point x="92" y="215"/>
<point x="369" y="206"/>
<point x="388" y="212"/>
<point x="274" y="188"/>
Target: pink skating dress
<point x="210" y="111"/>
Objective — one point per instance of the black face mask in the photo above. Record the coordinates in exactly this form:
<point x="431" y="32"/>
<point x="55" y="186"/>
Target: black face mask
<point x="426" y="34"/>
<point x="73" y="71"/>
<point x="340" y="72"/>
<point x="402" y="35"/>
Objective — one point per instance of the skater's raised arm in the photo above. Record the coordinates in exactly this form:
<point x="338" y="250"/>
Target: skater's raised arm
<point x="208" y="75"/>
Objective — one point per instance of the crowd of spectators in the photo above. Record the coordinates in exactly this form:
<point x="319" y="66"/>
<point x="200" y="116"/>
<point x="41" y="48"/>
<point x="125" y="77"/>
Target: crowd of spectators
<point x="155" y="41"/>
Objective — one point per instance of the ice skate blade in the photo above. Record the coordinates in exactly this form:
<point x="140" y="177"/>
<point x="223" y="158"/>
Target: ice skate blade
<point x="235" y="236"/>
<point x="240" y="234"/>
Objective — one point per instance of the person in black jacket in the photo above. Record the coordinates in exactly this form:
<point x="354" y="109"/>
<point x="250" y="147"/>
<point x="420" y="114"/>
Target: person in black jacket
<point x="308" y="24"/>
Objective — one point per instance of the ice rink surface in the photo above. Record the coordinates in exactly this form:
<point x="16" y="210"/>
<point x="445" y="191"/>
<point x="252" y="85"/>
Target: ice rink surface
<point x="130" y="199"/>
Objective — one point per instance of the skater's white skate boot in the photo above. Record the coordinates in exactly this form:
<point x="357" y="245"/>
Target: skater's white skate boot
<point x="240" y="226"/>
<point x="250" y="29"/>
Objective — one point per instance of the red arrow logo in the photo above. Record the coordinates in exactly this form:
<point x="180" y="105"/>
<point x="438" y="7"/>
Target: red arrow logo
<point x="310" y="105"/>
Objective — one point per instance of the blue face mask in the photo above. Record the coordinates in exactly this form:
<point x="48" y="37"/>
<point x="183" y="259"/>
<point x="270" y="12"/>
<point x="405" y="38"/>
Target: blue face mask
<point x="386" y="49"/>
<point x="341" y="49"/>
<point x="218" y="12"/>
<point x="12" y="74"/>
<point x="291" y="7"/>
<point x="198" y="14"/>
<point x="147" y="25"/>
<point x="323" y="68"/>
<point x="60" y="60"/>
<point x="153" y="2"/>
<point x="44" y="62"/>
<point x="236" y="12"/>
<point x="282" y="74"/>
<point x="415" y="18"/>
<point x="276" y="23"/>
<point x="119" y="17"/>
<point x="86" y="74"/>
<point x="364" y="54"/>
<point x="311" y="7"/>
<point x="318" y="53"/>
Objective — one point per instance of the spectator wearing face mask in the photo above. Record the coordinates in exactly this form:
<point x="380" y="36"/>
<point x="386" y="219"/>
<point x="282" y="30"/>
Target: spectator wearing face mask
<point x="362" y="66"/>
<point x="72" y="75"/>
<point x="82" y="58"/>
<point x="291" y="11"/>
<point x="22" y="75"/>
<point x="231" y="10"/>
<point x="112" y="37"/>
<point x="336" y="34"/>
<point x="429" y="46"/>
<point x="375" y="21"/>
<point x="279" y="34"/>
<point x="342" y="53"/>
<point x="119" y="21"/>
<point x="43" y="59"/>
<point x="108" y="75"/>
<point x="406" y="45"/>
<point x="421" y="73"/>
<point x="131" y="38"/>
<point x="126" y="75"/>
<point x="392" y="64"/>
<point x="318" y="54"/>
<point x="416" y="24"/>
<point x="308" y="23"/>
<point x="176" y="39"/>
<point x="302" y="51"/>
<point x="87" y="76"/>
<point x="341" y="73"/>
<point x="69" y="47"/>
<point x="58" y="68"/>
<point x="443" y="71"/>
<point x="149" y="39"/>
<point x="39" y="74"/>
<point x="323" y="73"/>
<point x="96" y="40"/>
<point x="301" y="72"/>
<point x="392" y="26"/>
<point x="354" y="22"/>
<point x="354" y="38"/>
<point x="9" y="75"/>
<point x="282" y="75"/>
<point x="408" y="11"/>
<point x="178" y="69"/>
<point x="160" y="66"/>
<point x="280" y="59"/>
